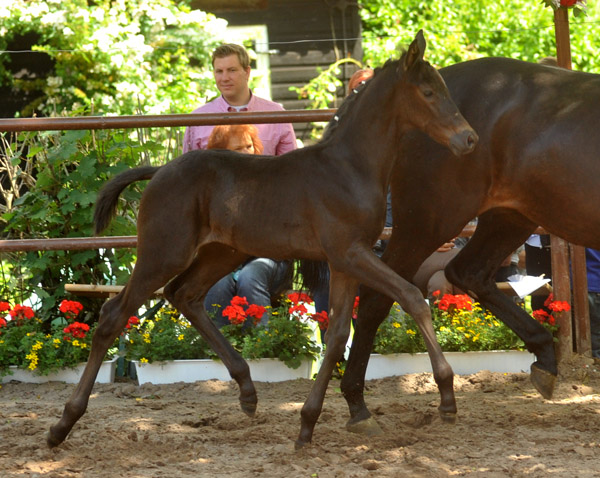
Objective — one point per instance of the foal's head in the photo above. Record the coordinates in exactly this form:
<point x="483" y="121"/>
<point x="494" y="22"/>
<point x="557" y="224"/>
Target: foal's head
<point x="242" y="138"/>
<point x="425" y="99"/>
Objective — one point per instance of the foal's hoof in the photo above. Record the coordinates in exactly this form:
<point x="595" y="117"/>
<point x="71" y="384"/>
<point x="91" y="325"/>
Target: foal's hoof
<point x="448" y="417"/>
<point x="52" y="441"/>
<point x="248" y="408"/>
<point x="368" y="427"/>
<point x="543" y="381"/>
<point x="298" y="444"/>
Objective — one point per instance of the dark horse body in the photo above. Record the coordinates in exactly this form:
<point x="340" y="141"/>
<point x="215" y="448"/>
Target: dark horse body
<point x="537" y="163"/>
<point x="206" y="212"/>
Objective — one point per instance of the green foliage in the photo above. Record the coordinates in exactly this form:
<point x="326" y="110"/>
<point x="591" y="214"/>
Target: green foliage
<point x="462" y="30"/>
<point x="43" y="344"/>
<point x="66" y="171"/>
<point x="460" y="324"/>
<point x="114" y="56"/>
<point x="169" y="336"/>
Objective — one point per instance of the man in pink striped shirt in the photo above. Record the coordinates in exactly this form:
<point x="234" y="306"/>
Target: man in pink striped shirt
<point x="231" y="67"/>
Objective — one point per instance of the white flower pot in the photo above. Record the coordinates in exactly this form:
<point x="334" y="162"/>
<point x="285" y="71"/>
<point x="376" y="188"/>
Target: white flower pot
<point x="261" y="370"/>
<point x="463" y="363"/>
<point x="106" y="374"/>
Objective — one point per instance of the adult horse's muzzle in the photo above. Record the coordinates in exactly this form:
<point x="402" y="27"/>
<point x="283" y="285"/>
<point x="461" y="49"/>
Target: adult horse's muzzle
<point x="463" y="142"/>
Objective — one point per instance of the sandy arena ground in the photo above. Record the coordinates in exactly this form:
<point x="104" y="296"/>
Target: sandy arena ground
<point x="504" y="429"/>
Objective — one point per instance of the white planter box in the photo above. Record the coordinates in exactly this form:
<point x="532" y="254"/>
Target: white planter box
<point x="463" y="363"/>
<point x="261" y="370"/>
<point x="106" y="374"/>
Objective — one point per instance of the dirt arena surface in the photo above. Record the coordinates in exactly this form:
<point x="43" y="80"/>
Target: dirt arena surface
<point x="504" y="428"/>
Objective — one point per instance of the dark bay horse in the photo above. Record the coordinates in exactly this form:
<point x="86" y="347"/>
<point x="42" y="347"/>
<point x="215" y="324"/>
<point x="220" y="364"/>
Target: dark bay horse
<point x="537" y="163"/>
<point x="204" y="213"/>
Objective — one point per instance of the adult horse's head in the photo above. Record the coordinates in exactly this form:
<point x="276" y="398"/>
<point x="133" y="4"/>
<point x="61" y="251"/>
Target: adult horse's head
<point x="429" y="107"/>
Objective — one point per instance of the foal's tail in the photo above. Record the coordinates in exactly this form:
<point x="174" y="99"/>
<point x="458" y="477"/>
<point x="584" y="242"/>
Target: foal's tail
<point x="106" y="203"/>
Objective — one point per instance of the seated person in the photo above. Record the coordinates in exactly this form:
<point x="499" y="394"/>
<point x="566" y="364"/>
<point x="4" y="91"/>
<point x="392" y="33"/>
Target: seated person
<point x="259" y="278"/>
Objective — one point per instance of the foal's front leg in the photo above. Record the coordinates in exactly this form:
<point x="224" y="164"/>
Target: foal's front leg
<point x="342" y="290"/>
<point x="374" y="273"/>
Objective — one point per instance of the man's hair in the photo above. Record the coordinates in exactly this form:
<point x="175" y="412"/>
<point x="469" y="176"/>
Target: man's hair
<point x="229" y="49"/>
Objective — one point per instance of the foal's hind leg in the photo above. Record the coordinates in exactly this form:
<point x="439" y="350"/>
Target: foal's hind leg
<point x="499" y="232"/>
<point x="113" y="318"/>
<point x="187" y="291"/>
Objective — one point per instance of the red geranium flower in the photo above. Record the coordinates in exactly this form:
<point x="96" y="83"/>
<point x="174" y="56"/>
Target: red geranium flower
<point x="451" y="302"/>
<point x="298" y="309"/>
<point x="235" y="314"/>
<point x="76" y="330"/>
<point x="21" y="312"/>
<point x="237" y="300"/>
<point x="256" y="311"/>
<point x="567" y="3"/>
<point x="559" y="306"/>
<point x="540" y="315"/>
<point x="297" y="297"/>
<point x="321" y="318"/>
<point x="133" y="320"/>
<point x="70" y="308"/>
<point x="4" y="306"/>
<point x="355" y="307"/>
<point x="2" y="322"/>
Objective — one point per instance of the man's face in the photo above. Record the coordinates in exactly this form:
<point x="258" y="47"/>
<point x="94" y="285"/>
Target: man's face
<point x="231" y="78"/>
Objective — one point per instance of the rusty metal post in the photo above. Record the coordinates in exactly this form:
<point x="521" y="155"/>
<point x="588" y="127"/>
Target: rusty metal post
<point x="561" y="279"/>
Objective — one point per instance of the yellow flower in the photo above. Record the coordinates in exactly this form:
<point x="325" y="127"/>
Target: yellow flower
<point x="180" y="337"/>
<point x="146" y="337"/>
<point x="143" y="360"/>
<point x="411" y="332"/>
<point x="396" y="325"/>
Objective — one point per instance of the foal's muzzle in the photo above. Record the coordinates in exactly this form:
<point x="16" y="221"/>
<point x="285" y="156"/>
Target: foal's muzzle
<point x="463" y="142"/>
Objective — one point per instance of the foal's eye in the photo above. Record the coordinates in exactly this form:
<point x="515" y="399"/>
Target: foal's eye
<point x="427" y="93"/>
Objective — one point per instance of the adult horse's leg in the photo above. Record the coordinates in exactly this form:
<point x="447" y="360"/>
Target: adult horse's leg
<point x="113" y="318"/>
<point x="361" y="263"/>
<point x="373" y="309"/>
<point x="342" y="289"/>
<point x="500" y="232"/>
<point x="187" y="292"/>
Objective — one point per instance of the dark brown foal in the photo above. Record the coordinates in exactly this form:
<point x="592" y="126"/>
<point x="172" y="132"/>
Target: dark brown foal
<point x="204" y="213"/>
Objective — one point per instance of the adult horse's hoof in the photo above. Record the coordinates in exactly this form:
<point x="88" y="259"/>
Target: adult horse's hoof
<point x="368" y="427"/>
<point x="448" y="417"/>
<point x="248" y="408"/>
<point x="543" y="381"/>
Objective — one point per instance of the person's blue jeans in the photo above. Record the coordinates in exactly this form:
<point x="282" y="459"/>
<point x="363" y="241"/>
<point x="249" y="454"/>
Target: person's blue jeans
<point x="594" y="303"/>
<point x="257" y="280"/>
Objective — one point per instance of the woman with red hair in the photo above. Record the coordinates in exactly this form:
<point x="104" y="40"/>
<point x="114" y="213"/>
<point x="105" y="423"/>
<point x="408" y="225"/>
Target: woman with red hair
<point x="259" y="278"/>
<point x="242" y="138"/>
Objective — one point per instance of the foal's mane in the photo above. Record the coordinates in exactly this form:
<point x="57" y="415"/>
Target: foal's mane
<point x="353" y="96"/>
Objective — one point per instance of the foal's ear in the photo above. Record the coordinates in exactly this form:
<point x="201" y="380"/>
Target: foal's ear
<point x="415" y="51"/>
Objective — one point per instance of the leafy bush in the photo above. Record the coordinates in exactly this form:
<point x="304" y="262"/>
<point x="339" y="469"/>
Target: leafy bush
<point x="113" y="56"/>
<point x="65" y="171"/>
